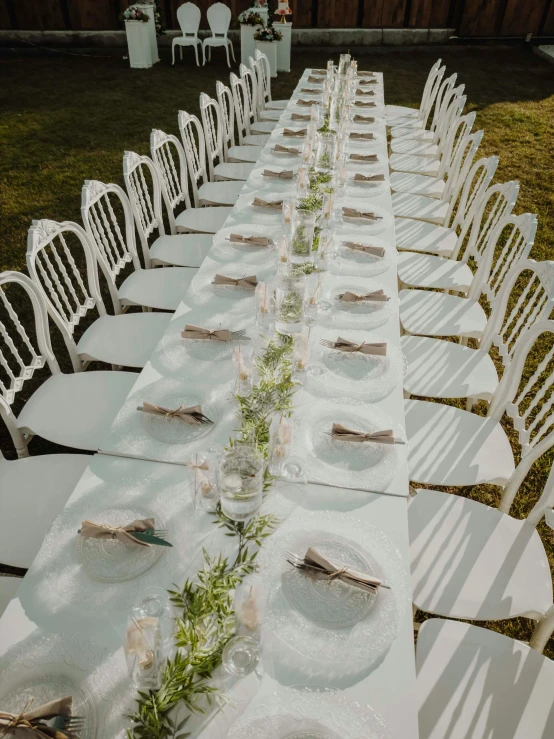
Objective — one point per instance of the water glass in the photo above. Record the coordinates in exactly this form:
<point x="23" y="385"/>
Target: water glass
<point x="302" y="236"/>
<point x="326" y="152"/>
<point x="241" y="473"/>
<point x="240" y="656"/>
<point x="289" y="303"/>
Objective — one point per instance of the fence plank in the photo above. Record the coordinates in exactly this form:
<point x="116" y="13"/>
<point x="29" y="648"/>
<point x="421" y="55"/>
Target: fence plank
<point x="522" y="17"/>
<point x="384" y="13"/>
<point x="5" y="16"/>
<point x="40" y="16"/>
<point x="548" y="28"/>
<point x="337" y="15"/>
<point x="480" y="17"/>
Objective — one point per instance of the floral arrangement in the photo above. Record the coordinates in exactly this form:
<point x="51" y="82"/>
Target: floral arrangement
<point x="250" y="18"/>
<point x="135" y="13"/>
<point x="268" y="33"/>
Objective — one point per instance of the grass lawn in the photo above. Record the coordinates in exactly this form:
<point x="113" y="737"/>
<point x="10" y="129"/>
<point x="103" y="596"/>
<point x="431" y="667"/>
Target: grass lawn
<point x="64" y="119"/>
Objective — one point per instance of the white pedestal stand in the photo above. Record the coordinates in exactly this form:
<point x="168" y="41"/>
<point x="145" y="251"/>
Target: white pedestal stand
<point x="283" y="46"/>
<point x="247" y="43"/>
<point x="263" y="13"/>
<point x="269" y="48"/>
<point x="138" y="43"/>
<point x="150" y="10"/>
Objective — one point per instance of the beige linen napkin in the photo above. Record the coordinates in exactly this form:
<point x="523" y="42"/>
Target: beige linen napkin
<point x="364" y="104"/>
<point x="364" y="157"/>
<point x="196" y="332"/>
<point x="315" y="90"/>
<point x="342" y="433"/>
<point x="358" y="177"/>
<point x="255" y="240"/>
<point x="354" y="213"/>
<point x="91" y="530"/>
<point x="350" y="347"/>
<point x="363" y="119"/>
<point x="366" y="135"/>
<point x="301" y="101"/>
<point x="375" y="251"/>
<point x="273" y="204"/>
<point x="294" y="134"/>
<point x="366" y="82"/>
<point x="365" y="92"/>
<point x="377" y="296"/>
<point x="191" y="416"/>
<point x="319" y="568"/>
<point x="23" y="725"/>
<point x="316" y="80"/>
<point x="286" y="174"/>
<point x="249" y="282"/>
<point x="285" y="149"/>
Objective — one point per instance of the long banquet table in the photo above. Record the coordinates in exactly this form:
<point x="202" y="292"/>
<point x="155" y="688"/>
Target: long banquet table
<point x="136" y="471"/>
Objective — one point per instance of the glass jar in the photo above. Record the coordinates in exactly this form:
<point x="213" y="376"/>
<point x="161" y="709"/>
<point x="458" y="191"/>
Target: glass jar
<point x="289" y="303"/>
<point x="204" y="466"/>
<point x="326" y="152"/>
<point x="302" y="236"/>
<point x="241" y="472"/>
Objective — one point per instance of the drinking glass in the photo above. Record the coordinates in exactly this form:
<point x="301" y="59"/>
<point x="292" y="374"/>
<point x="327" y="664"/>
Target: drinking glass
<point x="241" y="472"/>
<point x="243" y="360"/>
<point x="240" y="656"/>
<point x="302" y="236"/>
<point x="289" y="302"/>
<point x="326" y="152"/>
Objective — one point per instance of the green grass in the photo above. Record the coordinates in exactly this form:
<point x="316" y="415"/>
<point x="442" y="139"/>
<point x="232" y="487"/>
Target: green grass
<point x="64" y="119"/>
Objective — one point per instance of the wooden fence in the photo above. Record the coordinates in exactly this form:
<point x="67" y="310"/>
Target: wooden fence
<point x="469" y="17"/>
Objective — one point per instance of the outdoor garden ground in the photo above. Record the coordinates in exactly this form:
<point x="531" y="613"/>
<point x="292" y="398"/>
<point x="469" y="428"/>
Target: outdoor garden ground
<point x="65" y="118"/>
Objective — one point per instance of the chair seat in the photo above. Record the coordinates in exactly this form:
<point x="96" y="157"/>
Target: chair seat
<point x="473" y="562"/>
<point x="258" y="139"/>
<point x="239" y="171"/>
<point x="419" y="184"/>
<point x="219" y="193"/>
<point x="411" y="132"/>
<point x="400" y="111"/>
<point x="277" y="104"/>
<point x="420" y="207"/>
<point x="473" y="683"/>
<point x="414" y="146"/>
<point x="263" y="126"/>
<point x="244" y="153"/>
<point x="270" y="115"/>
<point x="443" y="369"/>
<point x="449" y="446"/>
<point x="412" y="163"/>
<point x="127" y="340"/>
<point x="76" y="410"/>
<point x="419" y="236"/>
<point x="427" y="270"/>
<point x="181" y="250"/>
<point x="202" y="220"/>
<point x="406" y="122"/>
<point x="162" y="288"/>
<point x="8" y="590"/>
<point x="438" y="314"/>
<point x="33" y="491"/>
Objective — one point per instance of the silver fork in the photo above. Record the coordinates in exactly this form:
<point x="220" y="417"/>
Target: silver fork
<point x="300" y="563"/>
<point x="328" y="344"/>
<point x="65" y="723"/>
<point x="240" y="334"/>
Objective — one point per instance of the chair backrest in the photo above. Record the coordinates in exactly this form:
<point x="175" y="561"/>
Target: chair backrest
<point x="249" y="79"/>
<point x="112" y="233"/>
<point x="241" y="105"/>
<point x="455" y="139"/>
<point x="145" y="192"/>
<point x="169" y="157"/>
<point x="213" y="130"/>
<point x="265" y="75"/>
<point x="194" y="144"/>
<point x="443" y="91"/>
<point x="452" y="108"/>
<point x="20" y="357"/>
<point x="471" y="185"/>
<point x="219" y="19"/>
<point x="53" y="250"/>
<point x="188" y="18"/>
<point x="257" y="68"/>
<point x="227" y="108"/>
<point x="434" y="78"/>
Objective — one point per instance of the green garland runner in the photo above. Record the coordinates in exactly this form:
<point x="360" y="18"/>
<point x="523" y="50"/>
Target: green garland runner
<point x="207" y="620"/>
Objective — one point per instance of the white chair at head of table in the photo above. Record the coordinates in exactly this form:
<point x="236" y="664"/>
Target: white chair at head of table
<point x="232" y="152"/>
<point x="475" y="683"/>
<point x="188" y="17"/>
<point x="74" y="409"/>
<point x="251" y="85"/>
<point x="266" y="114"/>
<point x="219" y="20"/>
<point x="265" y="71"/>
<point x="242" y="114"/>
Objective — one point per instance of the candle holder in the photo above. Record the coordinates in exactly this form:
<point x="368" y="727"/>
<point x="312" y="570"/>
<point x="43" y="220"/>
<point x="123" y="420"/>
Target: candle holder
<point x="265" y="302"/>
<point x="204" y="465"/>
<point x="243" y="359"/>
<point x="281" y="442"/>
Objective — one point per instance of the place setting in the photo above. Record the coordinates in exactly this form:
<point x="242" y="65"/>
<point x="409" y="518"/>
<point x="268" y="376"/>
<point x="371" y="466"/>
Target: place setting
<point x="252" y="243"/>
<point x="362" y="256"/>
<point x="348" y="301"/>
<point x="274" y="176"/>
<point x="259" y="209"/>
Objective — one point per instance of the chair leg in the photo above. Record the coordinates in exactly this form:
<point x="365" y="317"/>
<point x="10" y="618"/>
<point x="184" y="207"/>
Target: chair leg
<point x="227" y="51"/>
<point x="232" y="51"/>
<point x="172" y="54"/>
<point x="203" y="55"/>
<point x="181" y="50"/>
<point x="196" y="52"/>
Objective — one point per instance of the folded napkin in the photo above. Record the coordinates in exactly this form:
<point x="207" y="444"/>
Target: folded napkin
<point x="344" y="345"/>
<point x="367" y="75"/>
<point x="364" y="104"/>
<point x="378" y="437"/>
<point x="286" y="174"/>
<point x="377" y="296"/>
<point x="364" y="157"/>
<point x="298" y="134"/>
<point x="273" y="204"/>
<point x="285" y="149"/>
<point x="91" y="530"/>
<point x="367" y="135"/>
<point x="249" y="282"/>
<point x="363" y="119"/>
<point x="319" y="71"/>
<point x="196" y="332"/>
<point x="354" y="213"/>
<point x="317" y="79"/>
<point x="370" y="81"/>
<point x="365" y="92"/>
<point x="255" y="240"/>
<point x="25" y="725"/>
<point x="369" y="177"/>
<point x="310" y="89"/>
<point x="315" y="566"/>
<point x="307" y="102"/>
<point x="375" y="251"/>
<point x="191" y="416"/>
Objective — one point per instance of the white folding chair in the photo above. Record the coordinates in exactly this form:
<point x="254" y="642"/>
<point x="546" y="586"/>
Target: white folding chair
<point x="242" y="114"/>
<point x="188" y="18"/>
<point x="145" y="191"/>
<point x="250" y="84"/>
<point x="472" y="561"/>
<point x="265" y="70"/>
<point x="473" y="682"/>
<point x="263" y="113"/>
<point x="414" y="127"/>
<point x="170" y="160"/>
<point x="74" y="409"/>
<point x="108" y="219"/>
<point x="33" y="491"/>
<point x="443" y="369"/>
<point x="429" y="313"/>
<point x="124" y="339"/>
<point x="453" y="447"/>
<point x="214" y="135"/>
<point x="219" y="20"/>
<point x="194" y="143"/>
<point x="404" y="111"/>
<point x="231" y="152"/>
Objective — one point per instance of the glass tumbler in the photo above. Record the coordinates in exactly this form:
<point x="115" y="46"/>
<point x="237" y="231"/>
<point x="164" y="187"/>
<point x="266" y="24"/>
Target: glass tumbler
<point x="302" y="236"/>
<point x="241" y="472"/>
<point x="289" y="303"/>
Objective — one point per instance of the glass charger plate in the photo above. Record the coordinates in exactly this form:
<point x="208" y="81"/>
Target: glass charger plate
<point x="173" y="430"/>
<point x="203" y="282"/>
<point x="245" y="213"/>
<point x="380" y="164"/>
<point x="366" y="376"/>
<point x="358" y="189"/>
<point x="248" y="253"/>
<point x="347" y="261"/>
<point x="365" y="314"/>
<point x="363" y="224"/>
<point x="361" y="465"/>
<point x="181" y="351"/>
<point x="111" y="560"/>
<point x="339" y="650"/>
<point x="301" y="713"/>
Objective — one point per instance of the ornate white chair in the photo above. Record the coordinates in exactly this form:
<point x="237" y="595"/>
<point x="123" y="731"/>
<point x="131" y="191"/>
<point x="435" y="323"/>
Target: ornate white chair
<point x="232" y="152"/>
<point x="188" y="18"/>
<point x="414" y="126"/>
<point x="251" y="86"/>
<point x="265" y="71"/>
<point x="404" y="111"/>
<point x="171" y="163"/>
<point x="242" y="114"/>
<point x="75" y="409"/>
<point x="53" y="251"/>
<point x="108" y="219"/>
<point x="219" y="20"/>
<point x="146" y="190"/>
<point x="263" y="113"/>
<point x="214" y="135"/>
